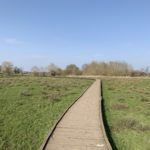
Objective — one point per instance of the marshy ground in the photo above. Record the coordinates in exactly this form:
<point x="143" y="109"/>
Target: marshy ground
<point x="29" y="107"/>
<point x="127" y="109"/>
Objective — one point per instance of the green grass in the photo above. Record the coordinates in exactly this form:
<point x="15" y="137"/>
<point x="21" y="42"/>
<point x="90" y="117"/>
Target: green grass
<point x="127" y="110"/>
<point x="29" y="107"/>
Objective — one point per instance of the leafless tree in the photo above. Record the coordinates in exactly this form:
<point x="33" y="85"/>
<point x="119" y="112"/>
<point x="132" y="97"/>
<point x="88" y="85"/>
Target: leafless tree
<point x="72" y="69"/>
<point x="7" y="67"/>
<point x="35" y="71"/>
<point x="53" y="69"/>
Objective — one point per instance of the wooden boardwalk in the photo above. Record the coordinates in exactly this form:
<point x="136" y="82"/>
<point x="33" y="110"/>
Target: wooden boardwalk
<point x="80" y="128"/>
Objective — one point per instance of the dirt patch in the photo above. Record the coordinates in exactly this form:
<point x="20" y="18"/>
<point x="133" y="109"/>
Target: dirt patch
<point x="120" y="106"/>
<point x="131" y="123"/>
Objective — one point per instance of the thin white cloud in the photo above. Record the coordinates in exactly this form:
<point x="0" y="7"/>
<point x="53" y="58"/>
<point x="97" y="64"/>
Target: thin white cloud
<point x="36" y="56"/>
<point x="12" y="41"/>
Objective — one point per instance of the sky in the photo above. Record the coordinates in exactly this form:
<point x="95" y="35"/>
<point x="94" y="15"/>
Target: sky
<point x="40" y="32"/>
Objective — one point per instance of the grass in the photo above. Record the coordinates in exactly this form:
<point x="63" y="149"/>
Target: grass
<point x="29" y="107"/>
<point x="127" y="110"/>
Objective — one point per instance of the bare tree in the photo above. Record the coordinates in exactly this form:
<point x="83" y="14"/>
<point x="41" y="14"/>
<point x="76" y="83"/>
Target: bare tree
<point x="53" y="69"/>
<point x="35" y="71"/>
<point x="72" y="69"/>
<point x="92" y="69"/>
<point x="42" y="71"/>
<point x="7" y="68"/>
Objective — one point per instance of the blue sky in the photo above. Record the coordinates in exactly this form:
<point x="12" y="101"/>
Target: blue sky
<point x="40" y="32"/>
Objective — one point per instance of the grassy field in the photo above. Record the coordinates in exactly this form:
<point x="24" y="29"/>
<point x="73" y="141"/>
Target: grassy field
<point x="127" y="108"/>
<point x="29" y="106"/>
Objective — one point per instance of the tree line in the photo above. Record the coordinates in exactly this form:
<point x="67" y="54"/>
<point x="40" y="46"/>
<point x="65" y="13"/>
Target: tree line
<point x="112" y="68"/>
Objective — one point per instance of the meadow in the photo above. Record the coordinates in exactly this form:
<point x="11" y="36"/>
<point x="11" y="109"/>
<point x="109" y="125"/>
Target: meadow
<point x="29" y="107"/>
<point x="127" y="110"/>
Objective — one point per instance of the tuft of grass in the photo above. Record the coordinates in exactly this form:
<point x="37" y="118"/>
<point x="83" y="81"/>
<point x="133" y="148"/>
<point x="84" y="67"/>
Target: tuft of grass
<point x="144" y="99"/>
<point x="121" y="100"/>
<point x="25" y="93"/>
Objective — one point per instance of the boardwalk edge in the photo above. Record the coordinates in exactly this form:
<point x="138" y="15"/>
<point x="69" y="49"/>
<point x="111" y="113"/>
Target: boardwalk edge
<point x="102" y="122"/>
<point x="51" y="131"/>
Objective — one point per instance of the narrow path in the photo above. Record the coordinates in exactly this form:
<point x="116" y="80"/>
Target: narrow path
<point x="80" y="129"/>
